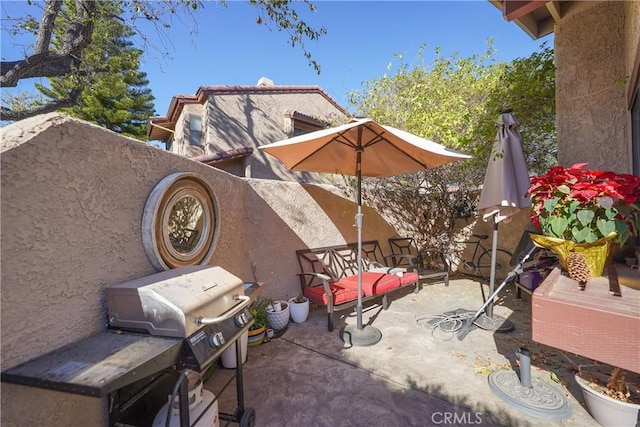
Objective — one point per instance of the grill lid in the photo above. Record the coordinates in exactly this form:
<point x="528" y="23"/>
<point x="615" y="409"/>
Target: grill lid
<point x="171" y="302"/>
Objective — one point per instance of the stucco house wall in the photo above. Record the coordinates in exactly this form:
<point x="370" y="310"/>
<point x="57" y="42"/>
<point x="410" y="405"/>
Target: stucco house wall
<point x="181" y="145"/>
<point x="594" y="51"/>
<point x="632" y="39"/>
<point x="251" y="120"/>
<point x="73" y="197"/>
<point x="246" y="117"/>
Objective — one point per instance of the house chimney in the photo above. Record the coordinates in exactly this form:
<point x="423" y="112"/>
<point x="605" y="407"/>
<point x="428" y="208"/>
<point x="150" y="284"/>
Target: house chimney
<point x="265" y="82"/>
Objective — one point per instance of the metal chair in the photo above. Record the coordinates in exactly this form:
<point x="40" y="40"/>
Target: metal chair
<point x="429" y="263"/>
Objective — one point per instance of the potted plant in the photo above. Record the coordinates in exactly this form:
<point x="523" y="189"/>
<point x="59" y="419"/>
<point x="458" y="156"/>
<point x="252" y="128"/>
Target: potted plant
<point x="584" y="212"/>
<point x="278" y="315"/>
<point x="581" y="214"/>
<point x="257" y="331"/>
<point x="299" y="307"/>
<point x="611" y="400"/>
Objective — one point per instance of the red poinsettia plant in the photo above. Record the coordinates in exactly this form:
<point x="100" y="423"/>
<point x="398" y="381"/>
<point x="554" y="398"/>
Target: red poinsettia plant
<point x="585" y="205"/>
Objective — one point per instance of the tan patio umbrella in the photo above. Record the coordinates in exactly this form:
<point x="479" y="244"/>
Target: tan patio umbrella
<point x="503" y="195"/>
<point x="506" y="182"/>
<point x="361" y="148"/>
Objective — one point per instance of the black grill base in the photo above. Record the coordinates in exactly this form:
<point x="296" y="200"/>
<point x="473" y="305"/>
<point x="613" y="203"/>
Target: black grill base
<point x="138" y="403"/>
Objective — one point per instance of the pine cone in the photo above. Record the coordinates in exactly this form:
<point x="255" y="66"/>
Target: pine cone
<point x="578" y="269"/>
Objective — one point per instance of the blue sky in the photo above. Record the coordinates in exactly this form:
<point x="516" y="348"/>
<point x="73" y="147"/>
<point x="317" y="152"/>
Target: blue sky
<point x="362" y="39"/>
<point x="229" y="48"/>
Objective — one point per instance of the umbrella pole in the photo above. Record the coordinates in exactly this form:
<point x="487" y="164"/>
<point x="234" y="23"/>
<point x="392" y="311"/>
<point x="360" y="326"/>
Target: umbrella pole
<point x="494" y="254"/>
<point x="360" y="336"/>
<point x="359" y="226"/>
<point x="359" y="306"/>
<point x="497" y="323"/>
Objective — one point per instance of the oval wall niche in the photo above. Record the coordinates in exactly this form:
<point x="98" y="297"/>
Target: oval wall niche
<point x="179" y="224"/>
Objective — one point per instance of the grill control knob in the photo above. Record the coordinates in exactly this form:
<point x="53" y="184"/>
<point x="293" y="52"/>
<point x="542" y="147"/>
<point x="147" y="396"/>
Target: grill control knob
<point x="241" y="319"/>
<point x="216" y="340"/>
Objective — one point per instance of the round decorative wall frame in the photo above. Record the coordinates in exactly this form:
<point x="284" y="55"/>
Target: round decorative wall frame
<point x="179" y="224"/>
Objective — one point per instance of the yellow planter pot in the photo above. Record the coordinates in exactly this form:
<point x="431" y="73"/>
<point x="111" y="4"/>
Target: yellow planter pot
<point x="595" y="253"/>
<point x="256" y="336"/>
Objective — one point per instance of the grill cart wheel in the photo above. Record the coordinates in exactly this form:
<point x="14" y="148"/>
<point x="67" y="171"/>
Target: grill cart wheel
<point x="248" y="418"/>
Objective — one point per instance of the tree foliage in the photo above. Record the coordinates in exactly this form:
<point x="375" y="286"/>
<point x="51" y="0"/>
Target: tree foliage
<point x="456" y="101"/>
<point x="46" y="59"/>
<point x="114" y="93"/>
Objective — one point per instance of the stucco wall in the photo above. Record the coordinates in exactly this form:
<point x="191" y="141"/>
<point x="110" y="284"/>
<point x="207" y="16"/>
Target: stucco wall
<point x="73" y="197"/>
<point x="181" y="143"/>
<point x="232" y="121"/>
<point x="593" y="122"/>
<point x="298" y="216"/>
<point x="258" y="119"/>
<point x="632" y="45"/>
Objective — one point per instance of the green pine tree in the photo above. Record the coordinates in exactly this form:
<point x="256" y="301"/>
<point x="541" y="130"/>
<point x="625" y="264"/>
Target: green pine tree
<point x="113" y="92"/>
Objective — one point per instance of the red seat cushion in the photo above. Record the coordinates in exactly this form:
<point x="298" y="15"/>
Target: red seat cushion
<point x="340" y="294"/>
<point x="409" y="277"/>
<point x="372" y="283"/>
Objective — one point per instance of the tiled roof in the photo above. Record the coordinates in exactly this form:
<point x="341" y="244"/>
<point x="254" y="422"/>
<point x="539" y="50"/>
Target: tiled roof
<point x="221" y="156"/>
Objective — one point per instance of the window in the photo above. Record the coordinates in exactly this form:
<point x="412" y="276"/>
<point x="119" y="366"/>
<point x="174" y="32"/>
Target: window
<point x="299" y="131"/>
<point x="299" y="124"/>
<point x="195" y="130"/>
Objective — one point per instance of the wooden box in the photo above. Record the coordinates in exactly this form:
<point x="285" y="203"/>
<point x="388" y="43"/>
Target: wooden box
<point x="591" y="323"/>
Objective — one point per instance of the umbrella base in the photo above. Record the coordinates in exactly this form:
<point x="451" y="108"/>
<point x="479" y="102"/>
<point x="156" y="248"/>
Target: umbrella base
<point x="494" y="323"/>
<point x="364" y="337"/>
<point x="541" y="400"/>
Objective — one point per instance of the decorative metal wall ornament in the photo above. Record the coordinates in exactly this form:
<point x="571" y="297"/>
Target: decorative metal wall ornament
<point x="179" y="224"/>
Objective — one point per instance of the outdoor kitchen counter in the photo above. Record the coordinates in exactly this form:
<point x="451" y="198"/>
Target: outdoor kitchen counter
<point x="99" y="364"/>
<point x="592" y="323"/>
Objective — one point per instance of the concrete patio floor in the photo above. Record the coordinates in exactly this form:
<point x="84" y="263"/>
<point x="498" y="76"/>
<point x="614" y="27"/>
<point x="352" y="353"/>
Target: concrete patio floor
<point x="307" y="376"/>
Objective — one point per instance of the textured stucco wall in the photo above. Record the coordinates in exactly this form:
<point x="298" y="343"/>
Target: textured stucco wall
<point x="286" y="216"/>
<point x="181" y="143"/>
<point x="29" y="406"/>
<point x="632" y="45"/>
<point x="73" y="197"/>
<point x="253" y="120"/>
<point x="593" y="122"/>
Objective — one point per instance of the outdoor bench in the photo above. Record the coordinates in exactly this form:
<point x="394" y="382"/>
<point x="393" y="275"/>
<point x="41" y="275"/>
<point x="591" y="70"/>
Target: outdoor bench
<point x="329" y="276"/>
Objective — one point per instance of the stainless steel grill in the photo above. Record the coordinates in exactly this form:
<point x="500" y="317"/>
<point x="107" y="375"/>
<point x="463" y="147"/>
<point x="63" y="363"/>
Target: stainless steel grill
<point x="203" y="304"/>
<point x="176" y="303"/>
<point x="159" y="326"/>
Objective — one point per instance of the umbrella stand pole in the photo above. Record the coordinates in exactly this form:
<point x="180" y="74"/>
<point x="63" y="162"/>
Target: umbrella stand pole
<point x="494" y="255"/>
<point x="360" y="336"/>
<point x="489" y="320"/>
<point x="359" y="216"/>
<point x="359" y="306"/>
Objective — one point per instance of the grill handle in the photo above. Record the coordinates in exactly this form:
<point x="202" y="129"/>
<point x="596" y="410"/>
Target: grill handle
<point x="229" y="314"/>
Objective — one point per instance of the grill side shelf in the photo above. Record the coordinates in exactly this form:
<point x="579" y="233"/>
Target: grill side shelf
<point x="99" y="364"/>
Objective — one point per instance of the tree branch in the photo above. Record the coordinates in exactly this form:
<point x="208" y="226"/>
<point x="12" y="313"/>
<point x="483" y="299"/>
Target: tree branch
<point x="44" y="62"/>
<point x="13" y="115"/>
<point x="51" y="10"/>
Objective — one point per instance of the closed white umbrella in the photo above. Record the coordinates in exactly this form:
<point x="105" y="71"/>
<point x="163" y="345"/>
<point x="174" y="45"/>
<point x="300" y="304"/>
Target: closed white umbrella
<point x="361" y="148"/>
<point x="506" y="182"/>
